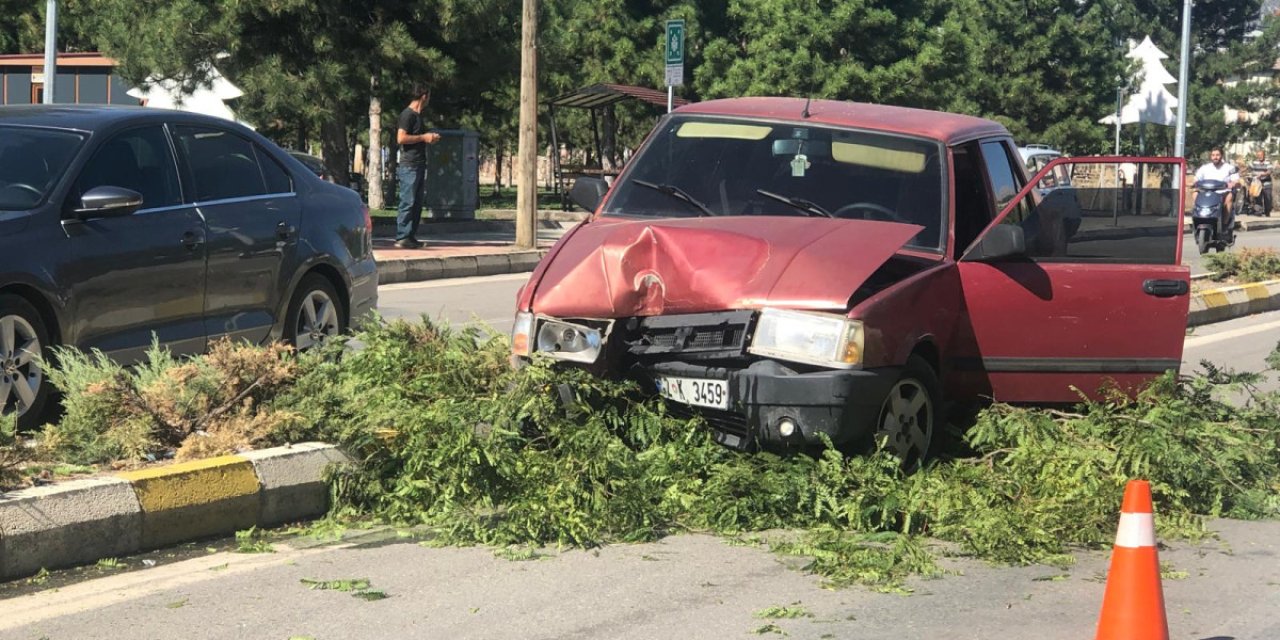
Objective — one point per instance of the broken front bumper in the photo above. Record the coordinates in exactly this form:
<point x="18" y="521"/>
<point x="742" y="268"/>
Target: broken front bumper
<point x="844" y="405"/>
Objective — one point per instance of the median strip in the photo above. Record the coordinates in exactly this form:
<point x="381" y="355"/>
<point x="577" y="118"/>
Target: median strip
<point x="81" y="521"/>
<point x="1227" y="303"/>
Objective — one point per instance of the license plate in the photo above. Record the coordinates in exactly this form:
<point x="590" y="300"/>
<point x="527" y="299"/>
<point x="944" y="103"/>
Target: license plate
<point x="695" y="391"/>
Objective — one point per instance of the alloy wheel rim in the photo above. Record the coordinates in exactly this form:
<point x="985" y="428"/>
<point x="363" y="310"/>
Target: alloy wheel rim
<point x="20" y="371"/>
<point x="317" y="320"/>
<point x="906" y="421"/>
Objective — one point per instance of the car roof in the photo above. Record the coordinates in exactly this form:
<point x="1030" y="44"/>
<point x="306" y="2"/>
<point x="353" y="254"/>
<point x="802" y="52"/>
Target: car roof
<point x="1037" y="150"/>
<point x="948" y="128"/>
<point x="89" y="118"/>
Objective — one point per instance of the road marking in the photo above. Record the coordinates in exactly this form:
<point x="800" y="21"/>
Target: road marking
<point x="1199" y="341"/>
<point x="453" y="282"/>
<point x="113" y="590"/>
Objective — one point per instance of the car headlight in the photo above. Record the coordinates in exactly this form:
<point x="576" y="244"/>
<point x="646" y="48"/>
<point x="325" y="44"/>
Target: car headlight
<point x="568" y="341"/>
<point x="823" y="339"/>
<point x="520" y="334"/>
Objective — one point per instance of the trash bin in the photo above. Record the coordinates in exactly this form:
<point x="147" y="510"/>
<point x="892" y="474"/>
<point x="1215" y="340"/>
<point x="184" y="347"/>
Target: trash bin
<point x="452" y="176"/>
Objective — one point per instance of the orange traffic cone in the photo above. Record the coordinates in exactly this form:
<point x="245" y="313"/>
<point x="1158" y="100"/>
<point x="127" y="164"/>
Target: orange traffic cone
<point x="1133" y="607"/>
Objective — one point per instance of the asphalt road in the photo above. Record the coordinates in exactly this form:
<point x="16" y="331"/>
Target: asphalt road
<point x="685" y="586"/>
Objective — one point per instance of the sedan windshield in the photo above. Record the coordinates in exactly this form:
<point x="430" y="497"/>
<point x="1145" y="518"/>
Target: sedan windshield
<point x="31" y="161"/>
<point x="698" y="166"/>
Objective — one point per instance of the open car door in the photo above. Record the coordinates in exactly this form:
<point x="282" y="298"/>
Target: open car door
<point x="1076" y="287"/>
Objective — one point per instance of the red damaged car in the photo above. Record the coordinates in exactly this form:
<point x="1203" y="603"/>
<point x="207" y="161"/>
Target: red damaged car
<point x="789" y="268"/>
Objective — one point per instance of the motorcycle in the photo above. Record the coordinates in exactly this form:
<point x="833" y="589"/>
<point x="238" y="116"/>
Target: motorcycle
<point x="1213" y="227"/>
<point x="1255" y="202"/>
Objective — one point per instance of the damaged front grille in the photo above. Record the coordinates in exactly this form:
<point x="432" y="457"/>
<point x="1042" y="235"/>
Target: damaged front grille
<point x="701" y="335"/>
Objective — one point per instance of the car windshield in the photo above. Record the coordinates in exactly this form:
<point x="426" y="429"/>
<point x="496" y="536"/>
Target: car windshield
<point x="699" y="166"/>
<point x="31" y="161"/>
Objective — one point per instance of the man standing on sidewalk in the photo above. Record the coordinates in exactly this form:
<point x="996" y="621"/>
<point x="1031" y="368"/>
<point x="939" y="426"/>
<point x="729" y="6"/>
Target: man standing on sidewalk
<point x="413" y="139"/>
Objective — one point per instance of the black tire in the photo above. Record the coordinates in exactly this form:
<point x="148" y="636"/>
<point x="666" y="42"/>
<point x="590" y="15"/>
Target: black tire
<point x="910" y="422"/>
<point x="19" y="324"/>
<point x="312" y="292"/>
<point x="1202" y="240"/>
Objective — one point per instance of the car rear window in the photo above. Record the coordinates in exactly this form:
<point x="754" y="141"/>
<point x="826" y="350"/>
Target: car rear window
<point x="736" y="167"/>
<point x="31" y="161"/>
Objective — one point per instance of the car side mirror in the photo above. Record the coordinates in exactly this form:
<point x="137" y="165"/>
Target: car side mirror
<point x="108" y="202"/>
<point x="588" y="193"/>
<point x="1001" y="241"/>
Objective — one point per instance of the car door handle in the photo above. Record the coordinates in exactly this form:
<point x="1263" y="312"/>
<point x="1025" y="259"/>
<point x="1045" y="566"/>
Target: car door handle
<point x="1166" y="288"/>
<point x="285" y="231"/>
<point x="192" y="240"/>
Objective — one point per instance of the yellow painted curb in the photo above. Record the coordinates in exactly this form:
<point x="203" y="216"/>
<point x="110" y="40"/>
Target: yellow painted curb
<point x="1257" y="291"/>
<point x="1215" y="298"/>
<point x="196" y="499"/>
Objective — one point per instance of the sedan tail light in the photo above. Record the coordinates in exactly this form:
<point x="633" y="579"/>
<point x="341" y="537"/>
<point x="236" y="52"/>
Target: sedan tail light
<point x="368" y="220"/>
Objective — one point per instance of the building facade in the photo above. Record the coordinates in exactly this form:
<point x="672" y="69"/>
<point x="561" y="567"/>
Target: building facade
<point x="82" y="78"/>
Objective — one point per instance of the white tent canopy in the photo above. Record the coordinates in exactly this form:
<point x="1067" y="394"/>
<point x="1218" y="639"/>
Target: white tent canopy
<point x="209" y="99"/>
<point x="1152" y="102"/>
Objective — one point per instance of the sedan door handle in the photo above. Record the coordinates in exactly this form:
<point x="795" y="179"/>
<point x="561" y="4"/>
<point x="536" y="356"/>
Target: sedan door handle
<point x="192" y="240"/>
<point x="285" y="231"/>
<point x="1166" y="288"/>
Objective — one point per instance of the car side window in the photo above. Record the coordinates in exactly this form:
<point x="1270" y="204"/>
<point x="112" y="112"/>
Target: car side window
<point x="974" y="210"/>
<point x="1004" y="182"/>
<point x="220" y="164"/>
<point x="139" y="160"/>
<point x="277" y="179"/>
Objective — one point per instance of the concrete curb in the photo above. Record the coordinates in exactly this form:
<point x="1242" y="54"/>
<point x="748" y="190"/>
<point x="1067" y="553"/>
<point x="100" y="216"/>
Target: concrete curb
<point x="83" y="521"/>
<point x="1227" y="303"/>
<point x="485" y="264"/>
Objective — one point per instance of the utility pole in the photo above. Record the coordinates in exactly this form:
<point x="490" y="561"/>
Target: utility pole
<point x="527" y="191"/>
<point x="50" y="49"/>
<point x="1184" y="72"/>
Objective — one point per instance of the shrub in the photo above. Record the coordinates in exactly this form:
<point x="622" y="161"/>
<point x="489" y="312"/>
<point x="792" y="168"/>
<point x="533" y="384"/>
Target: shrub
<point x="1246" y="265"/>
<point x="188" y="407"/>
<point x="12" y="451"/>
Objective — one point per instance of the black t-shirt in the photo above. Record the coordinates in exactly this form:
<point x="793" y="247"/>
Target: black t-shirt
<point x="415" y="153"/>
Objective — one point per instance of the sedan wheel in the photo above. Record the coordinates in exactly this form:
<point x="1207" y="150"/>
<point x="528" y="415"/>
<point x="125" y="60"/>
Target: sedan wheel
<point x="909" y="415"/>
<point x="316" y="313"/>
<point x="23" y="389"/>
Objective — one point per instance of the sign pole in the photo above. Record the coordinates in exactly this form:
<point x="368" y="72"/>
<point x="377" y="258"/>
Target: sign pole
<point x="50" y="49"/>
<point x="674" y="56"/>
<point x="1180" y="139"/>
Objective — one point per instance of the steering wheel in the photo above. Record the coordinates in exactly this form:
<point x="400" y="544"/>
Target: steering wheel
<point x="25" y="187"/>
<point x="882" y="212"/>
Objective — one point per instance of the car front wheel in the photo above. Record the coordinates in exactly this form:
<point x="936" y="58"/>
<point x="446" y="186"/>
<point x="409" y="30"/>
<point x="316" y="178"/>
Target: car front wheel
<point x="315" y="313"/>
<point x="909" y="417"/>
<point x="24" y="389"/>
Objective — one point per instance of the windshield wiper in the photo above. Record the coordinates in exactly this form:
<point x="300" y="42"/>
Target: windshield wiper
<point x="678" y="194"/>
<point x="807" y="206"/>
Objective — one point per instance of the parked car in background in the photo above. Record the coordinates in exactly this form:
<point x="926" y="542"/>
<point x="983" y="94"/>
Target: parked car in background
<point x="120" y="224"/>
<point x="1036" y="157"/>
<point x="317" y="166"/>
<point x="790" y="270"/>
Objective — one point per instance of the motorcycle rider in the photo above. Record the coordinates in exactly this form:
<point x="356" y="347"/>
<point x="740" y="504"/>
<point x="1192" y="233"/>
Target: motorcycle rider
<point x="1261" y="170"/>
<point x="1218" y="169"/>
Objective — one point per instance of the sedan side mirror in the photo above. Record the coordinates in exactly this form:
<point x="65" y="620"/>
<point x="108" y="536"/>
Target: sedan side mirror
<point x="588" y="193"/>
<point x="108" y="202"/>
<point x="1001" y="241"/>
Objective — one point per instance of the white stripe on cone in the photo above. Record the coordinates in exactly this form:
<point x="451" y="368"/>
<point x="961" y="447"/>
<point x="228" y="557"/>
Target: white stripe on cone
<point x="1136" y="530"/>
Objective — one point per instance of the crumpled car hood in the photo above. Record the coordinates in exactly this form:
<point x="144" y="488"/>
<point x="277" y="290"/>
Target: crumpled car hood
<point x="618" y="267"/>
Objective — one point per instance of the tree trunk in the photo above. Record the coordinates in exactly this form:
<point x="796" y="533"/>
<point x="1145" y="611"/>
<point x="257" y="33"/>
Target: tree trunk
<point x="497" y="168"/>
<point x="527" y="195"/>
<point x="609" y="142"/>
<point x="373" y="168"/>
<point x="302" y="138"/>
<point x="333" y="143"/>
